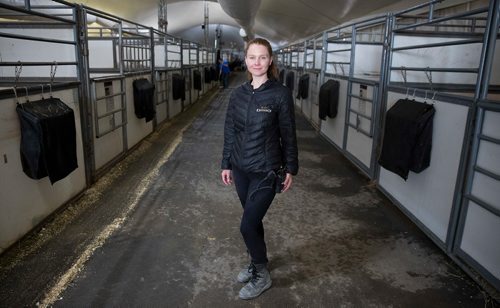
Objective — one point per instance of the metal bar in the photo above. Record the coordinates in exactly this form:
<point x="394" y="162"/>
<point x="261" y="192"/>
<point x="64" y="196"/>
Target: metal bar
<point x="414" y="8"/>
<point x="448" y="98"/>
<point x="360" y="130"/>
<point x="452" y="43"/>
<point x="107" y="78"/>
<point x="365" y="81"/>
<point x="370" y="43"/>
<point x="442" y="32"/>
<point x="110" y="16"/>
<point x="437" y="69"/>
<point x="36" y="63"/>
<point x="360" y="114"/>
<point x="438" y="20"/>
<point x="103" y="16"/>
<point x="104" y="133"/>
<point x="32" y="38"/>
<point x="138" y="47"/>
<point x="487" y="173"/>
<point x="339" y="41"/>
<point x="28" y="12"/>
<point x="104" y="71"/>
<point x="33" y="24"/>
<point x="109" y="96"/>
<point x="489" y="105"/>
<point x="357" y="23"/>
<point x="374" y="23"/>
<point x="489" y="139"/>
<point x="483" y="204"/>
<point x="361" y="98"/>
<point x="107" y="114"/>
<point x="460" y="18"/>
<point x="339" y="50"/>
<point x="334" y="62"/>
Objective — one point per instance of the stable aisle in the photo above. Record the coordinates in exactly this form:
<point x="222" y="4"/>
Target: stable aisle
<point x="333" y="239"/>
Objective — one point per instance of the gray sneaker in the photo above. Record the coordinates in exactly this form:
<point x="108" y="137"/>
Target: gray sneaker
<point x="245" y="274"/>
<point x="260" y="281"/>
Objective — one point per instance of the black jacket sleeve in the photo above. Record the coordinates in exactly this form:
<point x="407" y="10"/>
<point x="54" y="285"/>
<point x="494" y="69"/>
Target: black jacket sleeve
<point x="288" y="134"/>
<point x="228" y="137"/>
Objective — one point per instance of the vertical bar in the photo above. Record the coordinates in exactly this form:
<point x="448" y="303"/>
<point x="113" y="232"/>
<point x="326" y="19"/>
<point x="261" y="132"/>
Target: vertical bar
<point x="81" y="35"/>
<point x="383" y="94"/>
<point x="471" y="142"/>
<point x="431" y="11"/>
<point x="324" y="51"/>
<point x="120" y="44"/>
<point x="153" y="75"/>
<point x="124" y="114"/>
<point x="349" y="88"/>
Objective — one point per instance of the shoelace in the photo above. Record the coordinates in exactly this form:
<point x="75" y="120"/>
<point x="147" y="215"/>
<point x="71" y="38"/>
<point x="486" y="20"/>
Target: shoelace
<point x="255" y="275"/>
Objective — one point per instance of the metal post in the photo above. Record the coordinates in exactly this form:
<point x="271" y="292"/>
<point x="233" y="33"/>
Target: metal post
<point x="82" y="54"/>
<point x="474" y="126"/>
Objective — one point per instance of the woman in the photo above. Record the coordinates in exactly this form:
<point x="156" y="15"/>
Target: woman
<point x="259" y="139"/>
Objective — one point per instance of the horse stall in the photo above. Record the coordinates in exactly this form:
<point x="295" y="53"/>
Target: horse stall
<point x="119" y="56"/>
<point x="308" y="74"/>
<point x="39" y="76"/>
<point x="439" y="60"/>
<point x="445" y="58"/>
<point x="115" y="81"/>
<point x="354" y="61"/>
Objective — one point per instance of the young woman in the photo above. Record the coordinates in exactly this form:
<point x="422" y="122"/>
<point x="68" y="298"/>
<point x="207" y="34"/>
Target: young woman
<point x="259" y="139"/>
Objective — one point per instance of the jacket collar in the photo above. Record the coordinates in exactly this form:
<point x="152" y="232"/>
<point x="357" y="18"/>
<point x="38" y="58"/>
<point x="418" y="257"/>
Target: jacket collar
<point x="264" y="86"/>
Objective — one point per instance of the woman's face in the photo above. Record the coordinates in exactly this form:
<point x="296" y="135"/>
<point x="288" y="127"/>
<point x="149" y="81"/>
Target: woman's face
<point x="257" y="60"/>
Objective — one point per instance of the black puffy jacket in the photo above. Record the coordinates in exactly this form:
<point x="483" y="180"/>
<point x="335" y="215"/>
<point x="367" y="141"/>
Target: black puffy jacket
<point x="259" y="131"/>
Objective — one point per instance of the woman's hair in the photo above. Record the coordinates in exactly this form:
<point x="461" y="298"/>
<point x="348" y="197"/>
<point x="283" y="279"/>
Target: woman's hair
<point x="272" y="71"/>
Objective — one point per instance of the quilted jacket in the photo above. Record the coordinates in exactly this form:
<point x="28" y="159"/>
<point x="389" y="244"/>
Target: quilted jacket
<point x="259" y="130"/>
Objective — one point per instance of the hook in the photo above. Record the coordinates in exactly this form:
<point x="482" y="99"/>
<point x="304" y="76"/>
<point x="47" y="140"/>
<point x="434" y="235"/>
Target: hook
<point x="27" y="95"/>
<point x="428" y="74"/>
<point x="425" y="98"/>
<point x="42" y="91"/>
<point x="53" y="69"/>
<point x="414" y="91"/>
<point x="15" y="93"/>
<point x="433" y="96"/>
<point x="403" y="74"/>
<point x="407" y="90"/>
<point x="17" y="71"/>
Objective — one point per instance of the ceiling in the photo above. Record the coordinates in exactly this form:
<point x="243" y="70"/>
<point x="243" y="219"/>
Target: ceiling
<point x="282" y="22"/>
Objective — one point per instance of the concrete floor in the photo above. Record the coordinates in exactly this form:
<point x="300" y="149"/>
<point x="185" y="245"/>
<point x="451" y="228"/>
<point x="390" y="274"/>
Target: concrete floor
<point x="160" y="229"/>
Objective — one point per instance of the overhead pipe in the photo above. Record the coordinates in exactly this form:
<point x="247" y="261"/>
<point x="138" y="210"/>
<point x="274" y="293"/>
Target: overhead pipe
<point x="243" y="12"/>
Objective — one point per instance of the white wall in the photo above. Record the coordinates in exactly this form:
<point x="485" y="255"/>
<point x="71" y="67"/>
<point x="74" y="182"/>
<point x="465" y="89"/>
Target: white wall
<point x="13" y="50"/>
<point x="481" y="233"/>
<point x="109" y="146"/>
<point x="429" y="195"/>
<point x="25" y="202"/>
<point x="101" y="54"/>
<point x="461" y="56"/>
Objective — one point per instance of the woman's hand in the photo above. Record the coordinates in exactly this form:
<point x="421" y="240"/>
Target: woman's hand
<point x="288" y="182"/>
<point x="226" y="177"/>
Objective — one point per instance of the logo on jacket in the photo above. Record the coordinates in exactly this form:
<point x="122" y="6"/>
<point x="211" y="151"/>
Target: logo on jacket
<point x="264" y="109"/>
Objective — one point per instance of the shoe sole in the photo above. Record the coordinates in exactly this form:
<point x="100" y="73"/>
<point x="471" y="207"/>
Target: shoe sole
<point x="266" y="287"/>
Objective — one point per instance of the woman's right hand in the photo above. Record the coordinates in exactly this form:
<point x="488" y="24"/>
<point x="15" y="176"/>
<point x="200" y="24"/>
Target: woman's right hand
<point x="226" y="177"/>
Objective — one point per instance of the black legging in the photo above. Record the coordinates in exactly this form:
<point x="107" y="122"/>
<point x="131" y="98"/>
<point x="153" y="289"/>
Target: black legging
<point x="256" y="193"/>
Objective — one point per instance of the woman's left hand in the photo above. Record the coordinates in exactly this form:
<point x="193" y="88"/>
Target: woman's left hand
<point x="288" y="182"/>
